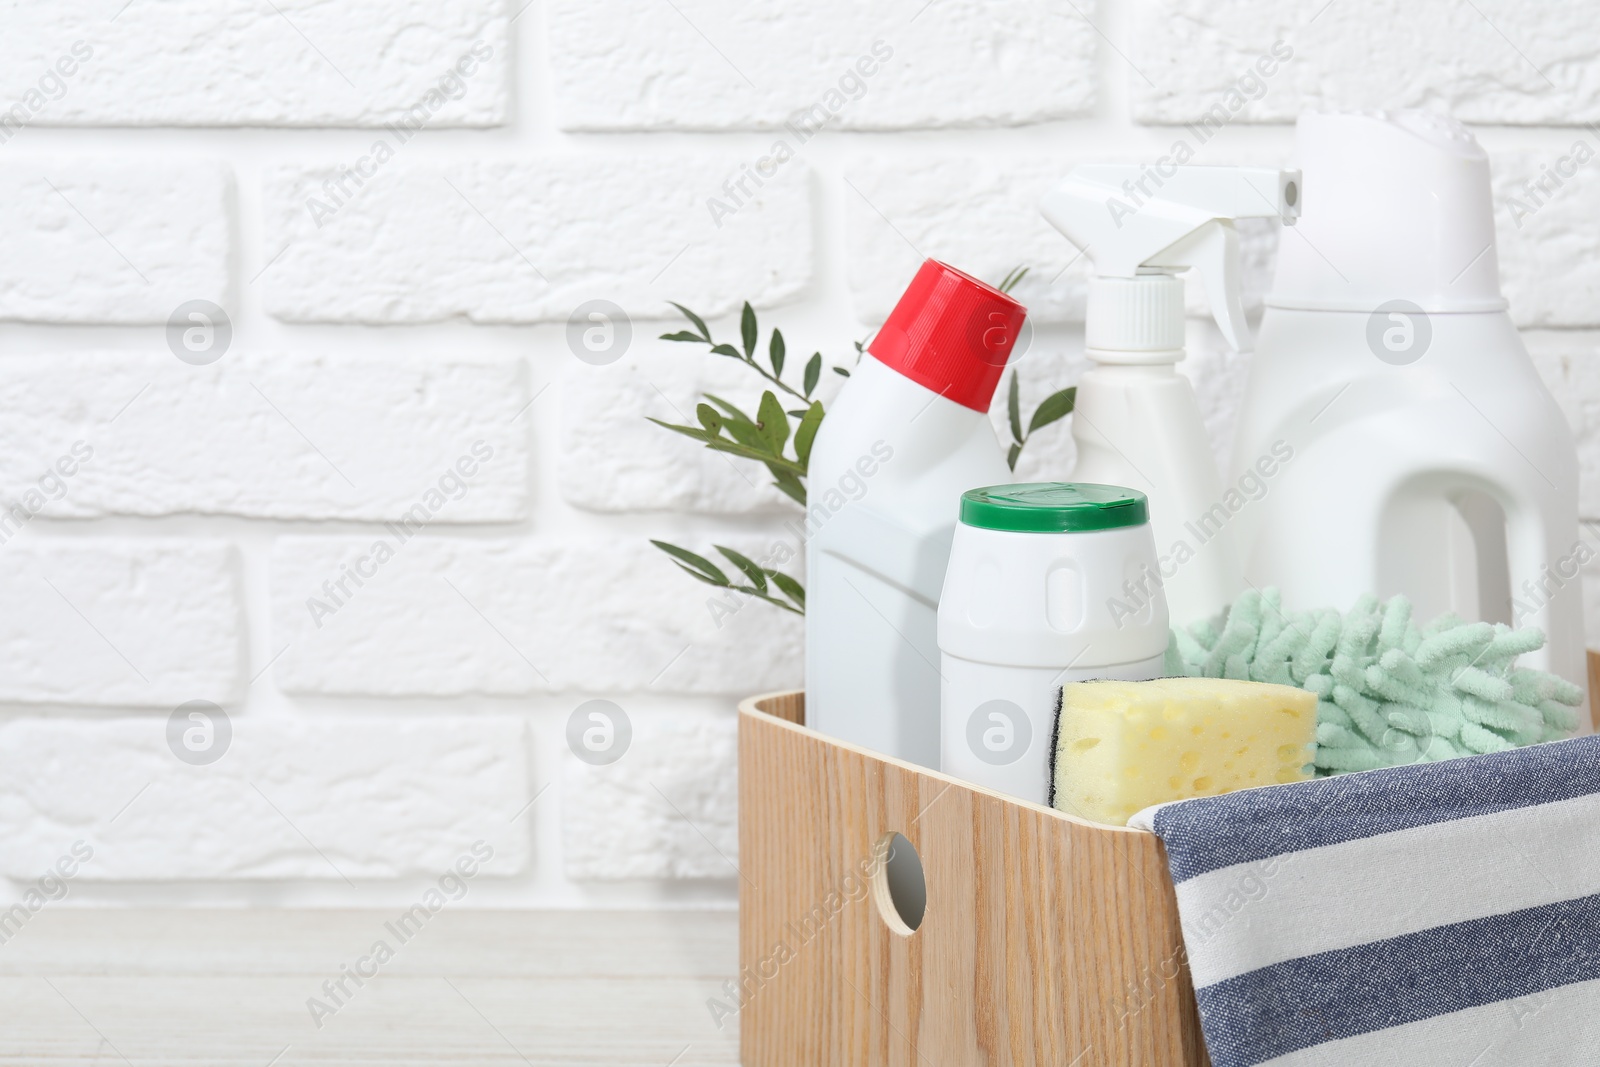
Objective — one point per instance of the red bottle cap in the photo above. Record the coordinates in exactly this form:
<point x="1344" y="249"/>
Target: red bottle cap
<point x="950" y="333"/>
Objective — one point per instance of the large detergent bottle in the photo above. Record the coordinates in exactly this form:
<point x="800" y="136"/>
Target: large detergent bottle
<point x="906" y="436"/>
<point x="1136" y="422"/>
<point x="1427" y="456"/>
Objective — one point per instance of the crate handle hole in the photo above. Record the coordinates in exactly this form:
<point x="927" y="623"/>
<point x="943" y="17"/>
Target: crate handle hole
<point x="899" y="886"/>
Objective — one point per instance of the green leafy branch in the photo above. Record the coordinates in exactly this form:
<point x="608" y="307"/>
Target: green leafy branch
<point x="1012" y="278"/>
<point x="1055" y="407"/>
<point x="724" y="427"/>
<point x="762" y="580"/>
<point x="780" y="425"/>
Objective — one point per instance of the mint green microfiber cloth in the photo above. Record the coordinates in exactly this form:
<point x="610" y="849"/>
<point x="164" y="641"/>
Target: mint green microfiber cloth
<point x="1388" y="692"/>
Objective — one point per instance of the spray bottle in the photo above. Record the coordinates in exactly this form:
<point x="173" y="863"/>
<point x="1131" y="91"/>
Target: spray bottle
<point x="1137" y="423"/>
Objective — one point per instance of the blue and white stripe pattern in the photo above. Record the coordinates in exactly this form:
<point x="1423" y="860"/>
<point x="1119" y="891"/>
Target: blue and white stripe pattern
<point x="1437" y="915"/>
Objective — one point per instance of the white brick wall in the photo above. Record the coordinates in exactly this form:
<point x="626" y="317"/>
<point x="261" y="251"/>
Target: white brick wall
<point x="131" y="623"/>
<point x="354" y="799"/>
<point x="725" y="64"/>
<point x="981" y="213"/>
<point x="233" y="62"/>
<point x="444" y="617"/>
<point x="269" y="435"/>
<point x="1548" y="230"/>
<point x="528" y="241"/>
<point x="102" y="239"/>
<point x="667" y="810"/>
<point x="399" y="249"/>
<point x="1490" y="61"/>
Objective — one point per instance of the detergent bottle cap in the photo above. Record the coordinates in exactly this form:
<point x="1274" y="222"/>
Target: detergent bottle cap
<point x="1054" y="507"/>
<point x="1141" y="225"/>
<point x="1404" y="213"/>
<point x="950" y="333"/>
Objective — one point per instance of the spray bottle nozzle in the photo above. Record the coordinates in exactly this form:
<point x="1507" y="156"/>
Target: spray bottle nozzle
<point x="1134" y="221"/>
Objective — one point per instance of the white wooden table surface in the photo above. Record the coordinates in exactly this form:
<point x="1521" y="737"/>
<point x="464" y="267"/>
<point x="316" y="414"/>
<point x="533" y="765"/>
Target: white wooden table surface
<point x="225" y="988"/>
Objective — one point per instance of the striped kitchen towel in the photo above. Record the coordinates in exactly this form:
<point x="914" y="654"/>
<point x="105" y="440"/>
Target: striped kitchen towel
<point x="1436" y="915"/>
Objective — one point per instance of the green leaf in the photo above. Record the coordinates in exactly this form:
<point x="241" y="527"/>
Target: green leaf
<point x="696" y="432"/>
<point x="747" y="330"/>
<point x="699" y="323"/>
<point x="774" y="601"/>
<point x="813" y="372"/>
<point x="773" y="422"/>
<point x="740" y="427"/>
<point x="791" y="588"/>
<point x="1011" y="457"/>
<point x="774" y="463"/>
<point x="691" y="572"/>
<point x="699" y="566"/>
<point x="1012" y="279"/>
<point x="806" y="433"/>
<point x="1013" y="413"/>
<point x="789" y="483"/>
<point x="684" y="335"/>
<point x="726" y="350"/>
<point x="709" y="418"/>
<point x="734" y="448"/>
<point x="1056" y="406"/>
<point x="776" y="351"/>
<point x="731" y="410"/>
<point x="841" y="372"/>
<point x="756" y="575"/>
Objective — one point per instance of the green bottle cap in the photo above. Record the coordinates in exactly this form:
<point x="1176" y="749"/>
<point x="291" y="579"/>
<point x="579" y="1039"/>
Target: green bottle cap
<point x="1054" y="507"/>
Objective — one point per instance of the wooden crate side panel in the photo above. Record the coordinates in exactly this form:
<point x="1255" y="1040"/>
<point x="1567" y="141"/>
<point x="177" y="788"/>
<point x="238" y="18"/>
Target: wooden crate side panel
<point x="1594" y="689"/>
<point x="1044" y="941"/>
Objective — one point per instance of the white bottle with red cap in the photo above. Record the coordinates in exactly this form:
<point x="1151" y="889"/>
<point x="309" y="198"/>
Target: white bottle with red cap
<point x="907" y="435"/>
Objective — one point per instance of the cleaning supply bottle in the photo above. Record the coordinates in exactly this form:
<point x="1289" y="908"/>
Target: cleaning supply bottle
<point x="1024" y="609"/>
<point x="1137" y="422"/>
<point x="906" y="436"/>
<point x="1428" y="458"/>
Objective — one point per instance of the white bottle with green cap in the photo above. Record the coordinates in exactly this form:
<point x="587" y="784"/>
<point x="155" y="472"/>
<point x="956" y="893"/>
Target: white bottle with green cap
<point x="1049" y="582"/>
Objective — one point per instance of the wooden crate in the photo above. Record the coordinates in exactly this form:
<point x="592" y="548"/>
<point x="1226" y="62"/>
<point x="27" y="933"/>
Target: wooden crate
<point x="1046" y="940"/>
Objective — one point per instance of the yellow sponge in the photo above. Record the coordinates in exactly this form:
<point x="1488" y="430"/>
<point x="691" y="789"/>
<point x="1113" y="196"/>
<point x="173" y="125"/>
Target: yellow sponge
<point x="1123" y="746"/>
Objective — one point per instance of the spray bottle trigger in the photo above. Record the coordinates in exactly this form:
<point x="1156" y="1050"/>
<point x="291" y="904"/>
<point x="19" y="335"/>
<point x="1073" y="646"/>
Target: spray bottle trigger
<point x="1212" y="251"/>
